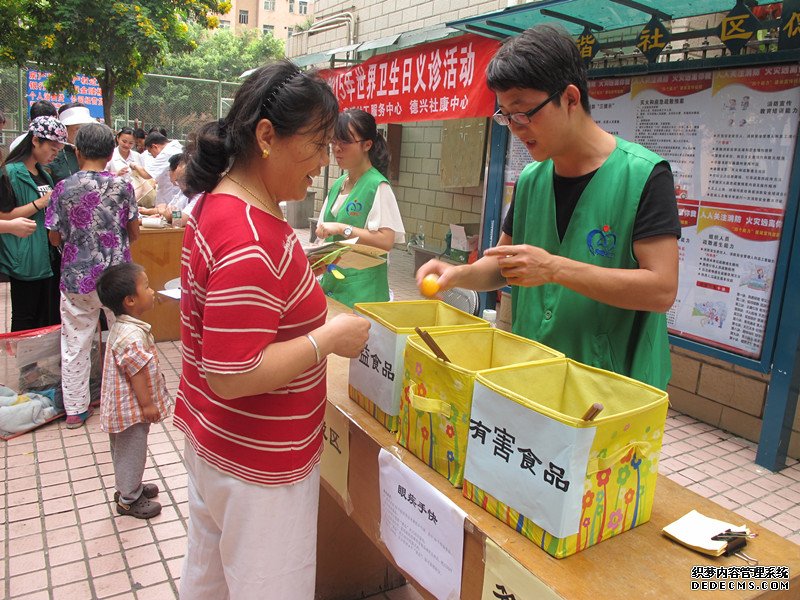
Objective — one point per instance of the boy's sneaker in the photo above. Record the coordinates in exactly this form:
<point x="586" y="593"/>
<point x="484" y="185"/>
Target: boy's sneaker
<point x="143" y="508"/>
<point x="149" y="490"/>
<point x="76" y="421"/>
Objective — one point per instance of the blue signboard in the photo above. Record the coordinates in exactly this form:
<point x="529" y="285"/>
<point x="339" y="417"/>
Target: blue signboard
<point x="87" y="88"/>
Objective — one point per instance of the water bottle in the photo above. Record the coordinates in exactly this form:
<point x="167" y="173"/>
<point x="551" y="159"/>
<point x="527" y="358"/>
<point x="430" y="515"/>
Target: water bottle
<point x="490" y="315"/>
<point x="421" y="236"/>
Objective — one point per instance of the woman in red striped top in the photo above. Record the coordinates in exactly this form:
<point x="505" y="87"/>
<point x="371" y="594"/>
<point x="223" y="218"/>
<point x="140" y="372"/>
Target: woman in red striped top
<point x="251" y="399"/>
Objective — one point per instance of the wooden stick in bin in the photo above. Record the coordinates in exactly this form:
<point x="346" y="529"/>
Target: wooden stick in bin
<point x="593" y="411"/>
<point x="426" y="337"/>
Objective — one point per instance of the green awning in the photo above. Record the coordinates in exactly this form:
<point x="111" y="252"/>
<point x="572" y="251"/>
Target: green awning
<point x="311" y="59"/>
<point x="601" y="16"/>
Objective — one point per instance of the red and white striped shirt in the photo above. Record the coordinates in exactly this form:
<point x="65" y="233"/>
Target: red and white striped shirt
<point x="246" y="283"/>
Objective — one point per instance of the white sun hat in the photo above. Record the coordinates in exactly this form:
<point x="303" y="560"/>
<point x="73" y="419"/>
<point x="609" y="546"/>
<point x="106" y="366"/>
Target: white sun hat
<point x="77" y="115"/>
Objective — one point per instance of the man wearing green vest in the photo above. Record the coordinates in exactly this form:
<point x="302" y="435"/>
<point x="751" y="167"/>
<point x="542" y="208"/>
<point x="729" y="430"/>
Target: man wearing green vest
<point x="589" y="246"/>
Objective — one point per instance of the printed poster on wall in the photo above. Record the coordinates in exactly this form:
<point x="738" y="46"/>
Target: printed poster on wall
<point x="441" y="80"/>
<point x="87" y="92"/>
<point x="729" y="136"/>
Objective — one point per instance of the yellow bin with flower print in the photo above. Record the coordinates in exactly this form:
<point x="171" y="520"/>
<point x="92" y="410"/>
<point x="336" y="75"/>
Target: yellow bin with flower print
<point x="375" y="378"/>
<point x="437" y="395"/>
<point x="567" y="484"/>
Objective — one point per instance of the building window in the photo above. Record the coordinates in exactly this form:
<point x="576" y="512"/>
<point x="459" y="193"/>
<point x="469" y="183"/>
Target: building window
<point x="269" y="5"/>
<point x="268" y="29"/>
<point x="244" y="17"/>
<point x="302" y="7"/>
<point x="223" y="24"/>
<point x="291" y="6"/>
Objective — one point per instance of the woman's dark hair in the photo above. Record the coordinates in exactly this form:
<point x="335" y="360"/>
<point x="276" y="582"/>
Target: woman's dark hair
<point x="293" y="101"/>
<point x="20" y="152"/>
<point x="154" y="138"/>
<point x="117" y="283"/>
<point x="543" y="58"/>
<point x="95" y="140"/>
<point x="363" y="124"/>
<point x="126" y="131"/>
<point x="139" y="133"/>
<point x="175" y="160"/>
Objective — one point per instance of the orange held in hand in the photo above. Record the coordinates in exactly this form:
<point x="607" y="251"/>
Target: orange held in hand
<point x="429" y="286"/>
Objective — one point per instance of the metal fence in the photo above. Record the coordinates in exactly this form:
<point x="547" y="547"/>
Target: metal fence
<point x="179" y="104"/>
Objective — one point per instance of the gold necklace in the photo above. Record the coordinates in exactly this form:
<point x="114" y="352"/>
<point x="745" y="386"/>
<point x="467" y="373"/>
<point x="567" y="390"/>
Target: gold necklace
<point x="270" y="207"/>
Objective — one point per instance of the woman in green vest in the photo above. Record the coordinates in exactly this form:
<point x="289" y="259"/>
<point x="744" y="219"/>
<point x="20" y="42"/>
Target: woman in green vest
<point x="360" y="205"/>
<point x="25" y="189"/>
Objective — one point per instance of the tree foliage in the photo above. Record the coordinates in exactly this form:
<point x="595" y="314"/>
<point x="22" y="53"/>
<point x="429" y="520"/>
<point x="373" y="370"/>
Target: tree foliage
<point x="114" y="41"/>
<point x="221" y="55"/>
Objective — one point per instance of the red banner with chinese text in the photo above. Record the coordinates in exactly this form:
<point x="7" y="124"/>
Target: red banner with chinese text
<point x="442" y="80"/>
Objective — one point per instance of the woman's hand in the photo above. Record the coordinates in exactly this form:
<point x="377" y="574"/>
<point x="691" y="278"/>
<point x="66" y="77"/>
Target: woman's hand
<point x="325" y="230"/>
<point x="20" y="227"/>
<point x="43" y="201"/>
<point x="344" y="335"/>
<point x="123" y="171"/>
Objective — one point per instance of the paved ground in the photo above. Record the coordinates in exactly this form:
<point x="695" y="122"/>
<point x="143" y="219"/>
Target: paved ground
<point x="60" y="538"/>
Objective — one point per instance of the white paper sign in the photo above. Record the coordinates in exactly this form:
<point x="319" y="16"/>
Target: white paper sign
<point x="422" y="529"/>
<point x="377" y="373"/>
<point x="534" y="464"/>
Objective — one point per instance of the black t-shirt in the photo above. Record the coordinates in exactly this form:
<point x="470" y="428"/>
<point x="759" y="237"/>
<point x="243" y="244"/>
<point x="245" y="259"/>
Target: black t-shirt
<point x="7" y="200"/>
<point x="657" y="213"/>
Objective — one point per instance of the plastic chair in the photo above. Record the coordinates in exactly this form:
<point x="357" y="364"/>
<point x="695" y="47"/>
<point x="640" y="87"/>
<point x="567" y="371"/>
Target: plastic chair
<point x="462" y="299"/>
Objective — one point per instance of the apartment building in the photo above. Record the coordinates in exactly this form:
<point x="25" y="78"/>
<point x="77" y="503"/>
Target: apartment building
<point x="278" y="17"/>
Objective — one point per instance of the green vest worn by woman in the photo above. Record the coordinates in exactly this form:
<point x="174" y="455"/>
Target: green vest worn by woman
<point x="358" y="285"/>
<point x="26" y="258"/>
<point x="633" y="343"/>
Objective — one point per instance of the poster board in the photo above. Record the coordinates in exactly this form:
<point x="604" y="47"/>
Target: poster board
<point x="730" y="136"/>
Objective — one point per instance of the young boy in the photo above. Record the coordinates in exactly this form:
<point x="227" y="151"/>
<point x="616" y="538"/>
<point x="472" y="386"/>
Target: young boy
<point x="134" y="393"/>
<point x="92" y="217"/>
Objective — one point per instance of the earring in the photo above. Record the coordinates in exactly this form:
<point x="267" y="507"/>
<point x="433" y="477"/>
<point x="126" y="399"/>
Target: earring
<point x="265" y="153"/>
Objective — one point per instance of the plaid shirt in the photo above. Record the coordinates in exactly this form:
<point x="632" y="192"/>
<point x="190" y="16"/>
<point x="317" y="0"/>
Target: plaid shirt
<point x="130" y="349"/>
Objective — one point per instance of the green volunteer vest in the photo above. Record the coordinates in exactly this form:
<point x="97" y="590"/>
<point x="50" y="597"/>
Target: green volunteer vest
<point x="632" y="343"/>
<point x="27" y="258"/>
<point x="358" y="285"/>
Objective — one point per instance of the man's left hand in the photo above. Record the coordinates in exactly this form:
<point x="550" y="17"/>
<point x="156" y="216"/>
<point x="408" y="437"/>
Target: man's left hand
<point x="524" y="265"/>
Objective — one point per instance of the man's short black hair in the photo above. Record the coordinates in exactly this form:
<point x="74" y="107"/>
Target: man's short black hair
<point x="154" y="138"/>
<point x="543" y="58"/>
<point x="43" y="108"/>
<point x="117" y="283"/>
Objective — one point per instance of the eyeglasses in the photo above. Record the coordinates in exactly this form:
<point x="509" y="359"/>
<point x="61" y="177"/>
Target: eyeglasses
<point x="344" y="143"/>
<point x="521" y="118"/>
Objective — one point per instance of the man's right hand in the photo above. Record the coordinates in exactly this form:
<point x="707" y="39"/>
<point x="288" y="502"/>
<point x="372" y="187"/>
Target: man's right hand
<point x="445" y="272"/>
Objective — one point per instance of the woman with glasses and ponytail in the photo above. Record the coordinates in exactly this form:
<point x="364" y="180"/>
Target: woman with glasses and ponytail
<point x="360" y="205"/>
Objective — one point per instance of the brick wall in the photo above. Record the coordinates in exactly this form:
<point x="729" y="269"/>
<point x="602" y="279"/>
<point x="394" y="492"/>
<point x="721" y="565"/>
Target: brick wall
<point x="720" y="394"/>
<point x="420" y="196"/>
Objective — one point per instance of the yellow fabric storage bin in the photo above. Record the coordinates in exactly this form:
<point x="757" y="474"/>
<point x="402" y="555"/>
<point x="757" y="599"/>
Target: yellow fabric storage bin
<point x="376" y="378"/>
<point x="437" y="395"/>
<point x="564" y="483"/>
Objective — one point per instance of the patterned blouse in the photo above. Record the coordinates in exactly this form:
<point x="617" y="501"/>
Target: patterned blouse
<point x="91" y="211"/>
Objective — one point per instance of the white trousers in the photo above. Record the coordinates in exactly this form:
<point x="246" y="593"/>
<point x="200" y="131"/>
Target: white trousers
<point x="79" y="315"/>
<point x="246" y="541"/>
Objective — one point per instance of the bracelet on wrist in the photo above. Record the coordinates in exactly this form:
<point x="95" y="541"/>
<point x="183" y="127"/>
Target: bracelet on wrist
<point x="36" y="207"/>
<point x="316" y="347"/>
